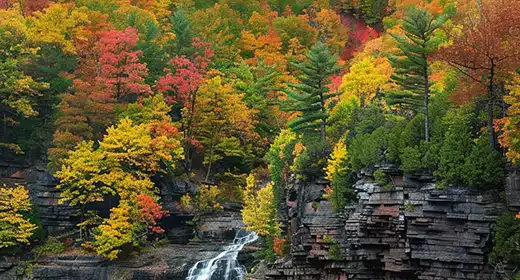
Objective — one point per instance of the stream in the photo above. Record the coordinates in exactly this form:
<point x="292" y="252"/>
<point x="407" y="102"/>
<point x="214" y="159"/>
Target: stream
<point x="224" y="266"/>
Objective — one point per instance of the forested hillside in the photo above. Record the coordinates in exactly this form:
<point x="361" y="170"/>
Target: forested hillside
<point x="243" y="97"/>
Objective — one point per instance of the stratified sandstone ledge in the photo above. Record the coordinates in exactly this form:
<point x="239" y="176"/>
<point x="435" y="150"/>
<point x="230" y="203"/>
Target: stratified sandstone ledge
<point x="408" y="232"/>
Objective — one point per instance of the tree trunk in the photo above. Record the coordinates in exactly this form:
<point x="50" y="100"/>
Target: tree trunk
<point x="211" y="155"/>
<point x="4" y="136"/>
<point x="187" y="132"/>
<point x="323" y="122"/>
<point x="426" y="103"/>
<point x="490" y="107"/>
<point x="323" y="111"/>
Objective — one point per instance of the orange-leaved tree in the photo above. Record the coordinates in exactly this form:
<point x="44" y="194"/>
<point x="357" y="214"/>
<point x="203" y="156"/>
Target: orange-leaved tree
<point x="485" y="50"/>
<point x="510" y="124"/>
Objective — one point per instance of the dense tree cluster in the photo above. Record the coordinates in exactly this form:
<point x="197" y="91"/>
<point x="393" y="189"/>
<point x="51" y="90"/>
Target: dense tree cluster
<point x="121" y="94"/>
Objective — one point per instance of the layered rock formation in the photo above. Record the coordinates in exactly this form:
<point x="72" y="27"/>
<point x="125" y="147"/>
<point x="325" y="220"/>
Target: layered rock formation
<point x="412" y="231"/>
<point x="55" y="218"/>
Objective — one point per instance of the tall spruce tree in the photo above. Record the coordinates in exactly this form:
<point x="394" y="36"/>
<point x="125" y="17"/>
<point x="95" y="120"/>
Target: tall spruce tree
<point x="412" y="62"/>
<point x="309" y="96"/>
<point x="183" y="34"/>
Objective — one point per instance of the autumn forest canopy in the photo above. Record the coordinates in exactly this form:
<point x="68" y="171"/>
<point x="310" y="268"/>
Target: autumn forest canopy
<point x="243" y="97"/>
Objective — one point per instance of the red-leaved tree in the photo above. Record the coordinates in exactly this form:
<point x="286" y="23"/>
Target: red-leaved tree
<point x="149" y="212"/>
<point x="180" y="86"/>
<point x="121" y="72"/>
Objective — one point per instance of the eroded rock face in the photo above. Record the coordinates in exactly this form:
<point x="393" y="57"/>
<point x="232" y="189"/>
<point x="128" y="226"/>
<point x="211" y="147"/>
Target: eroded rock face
<point x="55" y="217"/>
<point x="414" y="232"/>
<point x="169" y="263"/>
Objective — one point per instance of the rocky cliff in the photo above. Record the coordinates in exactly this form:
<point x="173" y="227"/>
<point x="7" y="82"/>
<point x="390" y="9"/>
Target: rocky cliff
<point x="412" y="231"/>
<point x="55" y="218"/>
<point x="168" y="262"/>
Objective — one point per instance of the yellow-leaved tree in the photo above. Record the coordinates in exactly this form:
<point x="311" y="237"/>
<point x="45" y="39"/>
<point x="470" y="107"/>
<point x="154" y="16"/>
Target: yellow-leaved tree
<point x="364" y="80"/>
<point x="144" y="143"/>
<point x="259" y="212"/>
<point x="115" y="232"/>
<point x="15" y="228"/>
<point x="337" y="172"/>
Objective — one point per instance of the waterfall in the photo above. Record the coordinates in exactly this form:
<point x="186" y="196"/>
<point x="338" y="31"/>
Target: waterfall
<point x="224" y="266"/>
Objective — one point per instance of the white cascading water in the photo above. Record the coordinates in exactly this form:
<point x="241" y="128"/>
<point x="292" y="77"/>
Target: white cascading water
<point x="224" y="266"/>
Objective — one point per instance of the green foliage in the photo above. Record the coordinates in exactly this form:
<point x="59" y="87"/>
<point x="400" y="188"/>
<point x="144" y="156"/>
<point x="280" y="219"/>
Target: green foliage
<point x="340" y="117"/>
<point x="51" y="247"/>
<point x="311" y="159"/>
<point x="484" y="168"/>
<point x="335" y="250"/>
<point x="257" y="83"/>
<point x="268" y="254"/>
<point x="315" y="205"/>
<point x="424" y="157"/>
<point x="409" y="207"/>
<point x="412" y="62"/>
<point x="296" y="6"/>
<point x="183" y="34"/>
<point x="506" y="241"/>
<point x="371" y="10"/>
<point x="309" y="96"/>
<point x="365" y="120"/>
<point x="467" y="161"/>
<point x="280" y="157"/>
<point x="381" y="177"/>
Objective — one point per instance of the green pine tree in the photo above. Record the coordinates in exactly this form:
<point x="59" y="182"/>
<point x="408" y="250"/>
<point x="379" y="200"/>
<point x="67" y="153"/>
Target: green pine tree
<point x="183" y="33"/>
<point x="412" y="63"/>
<point x="373" y="10"/>
<point x="309" y="96"/>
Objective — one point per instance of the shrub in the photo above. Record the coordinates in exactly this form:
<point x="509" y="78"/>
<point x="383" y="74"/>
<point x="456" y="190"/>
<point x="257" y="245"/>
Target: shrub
<point x="366" y="149"/>
<point x="334" y="248"/>
<point x="409" y="207"/>
<point x="484" y="168"/>
<point x="507" y="240"/>
<point x="310" y="159"/>
<point x="467" y="161"/>
<point x="207" y="199"/>
<point x="455" y="148"/>
<point x="422" y="157"/>
<point x="381" y="177"/>
<point x="365" y="120"/>
<point x="280" y="246"/>
<point x="51" y="246"/>
<point x="268" y="254"/>
<point x="315" y="205"/>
